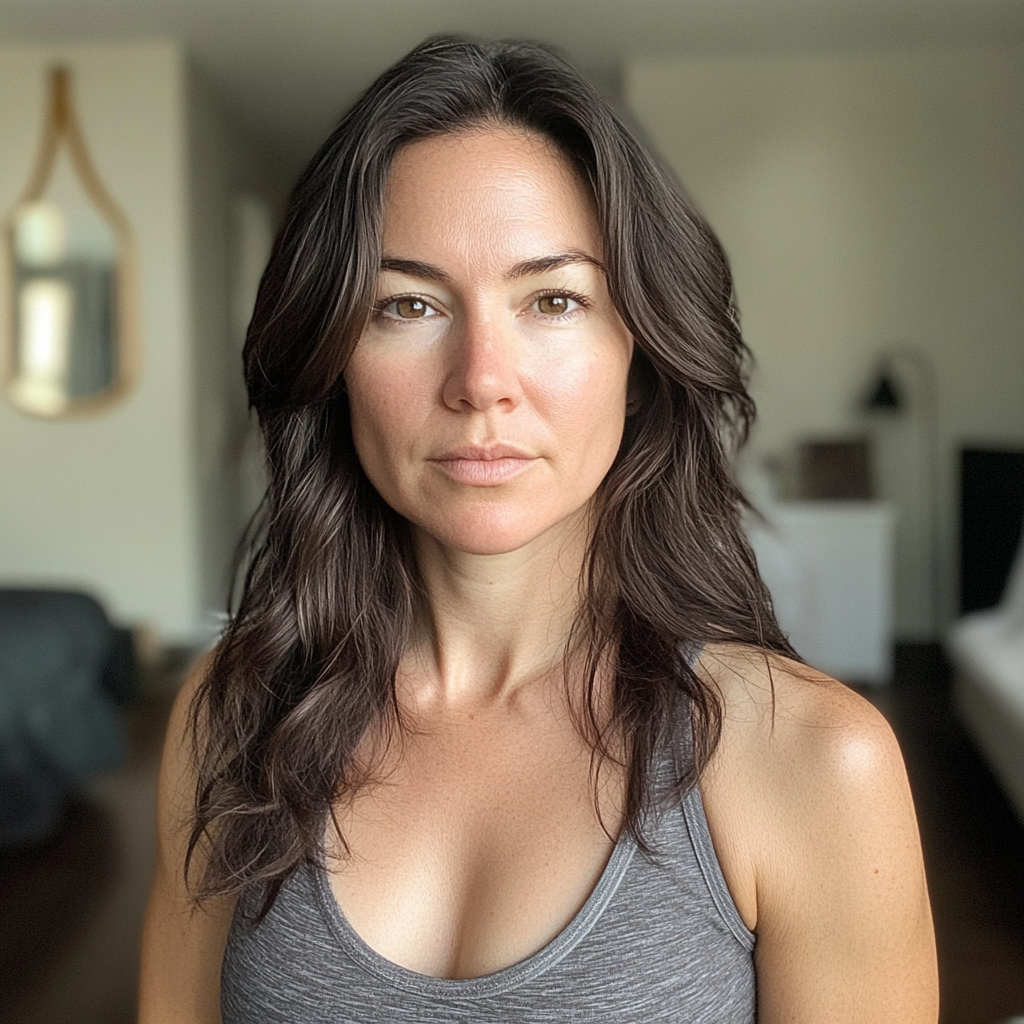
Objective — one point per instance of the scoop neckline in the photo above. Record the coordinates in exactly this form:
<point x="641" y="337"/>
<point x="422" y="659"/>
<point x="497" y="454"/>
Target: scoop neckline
<point x="501" y="980"/>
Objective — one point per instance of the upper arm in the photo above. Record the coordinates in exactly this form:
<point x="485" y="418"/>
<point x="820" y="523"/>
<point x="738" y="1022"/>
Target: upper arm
<point x="182" y="945"/>
<point x="844" y="929"/>
<point x="843" y="923"/>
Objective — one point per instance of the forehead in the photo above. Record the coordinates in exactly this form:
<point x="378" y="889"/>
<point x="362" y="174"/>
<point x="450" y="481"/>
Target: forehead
<point x="490" y="196"/>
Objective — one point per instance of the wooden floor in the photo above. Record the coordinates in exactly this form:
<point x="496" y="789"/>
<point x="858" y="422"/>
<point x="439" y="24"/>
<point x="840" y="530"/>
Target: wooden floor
<point x="72" y="908"/>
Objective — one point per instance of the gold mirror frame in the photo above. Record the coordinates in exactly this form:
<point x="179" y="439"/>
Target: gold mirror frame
<point x="62" y="127"/>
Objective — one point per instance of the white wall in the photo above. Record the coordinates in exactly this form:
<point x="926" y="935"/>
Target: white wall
<point x="137" y="504"/>
<point x="865" y="200"/>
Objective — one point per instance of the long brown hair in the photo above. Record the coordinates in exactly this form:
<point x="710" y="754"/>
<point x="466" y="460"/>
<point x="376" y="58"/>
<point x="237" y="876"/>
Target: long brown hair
<point x="307" y="664"/>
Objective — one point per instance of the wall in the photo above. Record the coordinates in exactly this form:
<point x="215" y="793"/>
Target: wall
<point x="226" y="172"/>
<point x="107" y="502"/>
<point x="139" y="504"/>
<point x="866" y="200"/>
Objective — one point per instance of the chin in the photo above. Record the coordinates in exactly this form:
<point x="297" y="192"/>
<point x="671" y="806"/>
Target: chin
<point x="491" y="531"/>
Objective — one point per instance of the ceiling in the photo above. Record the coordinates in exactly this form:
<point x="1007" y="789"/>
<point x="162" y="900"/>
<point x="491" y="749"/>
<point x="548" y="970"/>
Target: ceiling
<point x="287" y="68"/>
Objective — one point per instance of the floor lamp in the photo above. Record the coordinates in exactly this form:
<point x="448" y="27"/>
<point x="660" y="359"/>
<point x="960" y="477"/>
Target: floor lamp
<point x="887" y="395"/>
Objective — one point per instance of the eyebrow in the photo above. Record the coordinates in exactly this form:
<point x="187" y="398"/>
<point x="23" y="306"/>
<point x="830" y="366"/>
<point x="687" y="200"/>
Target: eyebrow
<point x="542" y="264"/>
<point x="415" y="268"/>
<point x="527" y="268"/>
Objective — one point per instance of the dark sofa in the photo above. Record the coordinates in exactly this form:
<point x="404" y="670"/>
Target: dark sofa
<point x="64" y="671"/>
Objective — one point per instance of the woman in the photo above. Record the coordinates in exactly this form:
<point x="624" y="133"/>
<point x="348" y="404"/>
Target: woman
<point x="504" y="728"/>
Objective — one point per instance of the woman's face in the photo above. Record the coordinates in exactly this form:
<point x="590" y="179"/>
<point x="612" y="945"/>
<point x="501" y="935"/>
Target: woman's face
<point x="488" y="391"/>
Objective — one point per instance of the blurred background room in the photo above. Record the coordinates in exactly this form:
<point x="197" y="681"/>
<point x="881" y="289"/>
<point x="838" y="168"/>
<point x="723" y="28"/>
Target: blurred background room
<point x="862" y="162"/>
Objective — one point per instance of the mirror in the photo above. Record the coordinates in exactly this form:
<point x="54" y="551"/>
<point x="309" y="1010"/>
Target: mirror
<point x="70" y="272"/>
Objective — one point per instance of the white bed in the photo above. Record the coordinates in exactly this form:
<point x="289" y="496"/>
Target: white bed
<point x="987" y="650"/>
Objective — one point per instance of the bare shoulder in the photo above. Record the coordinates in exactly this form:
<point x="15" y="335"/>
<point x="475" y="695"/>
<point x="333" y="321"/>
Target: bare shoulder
<point x="802" y="758"/>
<point x="813" y="820"/>
<point x="752" y="680"/>
<point x="176" y="789"/>
<point x="795" y="719"/>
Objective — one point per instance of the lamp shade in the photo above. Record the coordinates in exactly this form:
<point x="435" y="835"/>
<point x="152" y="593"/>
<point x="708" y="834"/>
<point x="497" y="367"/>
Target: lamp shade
<point x="884" y="395"/>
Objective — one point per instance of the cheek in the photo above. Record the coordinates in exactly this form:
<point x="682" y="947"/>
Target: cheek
<point x="389" y="401"/>
<point x="585" y="401"/>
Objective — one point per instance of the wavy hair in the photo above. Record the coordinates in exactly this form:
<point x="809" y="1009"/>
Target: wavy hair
<point x="308" y="662"/>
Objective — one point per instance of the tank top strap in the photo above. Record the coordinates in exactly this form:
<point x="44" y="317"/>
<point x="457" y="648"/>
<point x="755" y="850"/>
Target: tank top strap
<point x="669" y="828"/>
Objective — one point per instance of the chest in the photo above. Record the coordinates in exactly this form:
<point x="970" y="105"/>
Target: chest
<point x="655" y="941"/>
<point x="477" y="843"/>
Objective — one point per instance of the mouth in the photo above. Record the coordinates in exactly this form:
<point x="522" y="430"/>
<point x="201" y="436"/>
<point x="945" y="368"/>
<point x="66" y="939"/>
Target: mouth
<point x="484" y="465"/>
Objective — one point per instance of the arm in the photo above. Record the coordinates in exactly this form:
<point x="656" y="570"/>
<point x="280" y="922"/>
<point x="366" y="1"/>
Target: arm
<point x="182" y="946"/>
<point x="832" y="861"/>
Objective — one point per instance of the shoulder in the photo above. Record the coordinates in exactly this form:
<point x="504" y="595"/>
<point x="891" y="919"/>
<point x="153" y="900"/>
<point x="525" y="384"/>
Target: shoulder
<point x="788" y="719"/>
<point x="176" y="781"/>
<point x="177" y="768"/>
<point x="800" y="754"/>
<point x="811" y="814"/>
<point x="798" y="751"/>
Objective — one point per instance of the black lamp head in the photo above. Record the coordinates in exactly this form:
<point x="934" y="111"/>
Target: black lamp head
<point x="884" y="395"/>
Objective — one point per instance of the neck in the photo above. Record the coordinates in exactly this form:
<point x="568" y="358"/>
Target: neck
<point x="491" y="624"/>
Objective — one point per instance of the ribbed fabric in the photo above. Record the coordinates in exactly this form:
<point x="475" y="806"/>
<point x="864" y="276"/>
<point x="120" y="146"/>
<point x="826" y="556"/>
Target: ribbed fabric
<point x="658" y="940"/>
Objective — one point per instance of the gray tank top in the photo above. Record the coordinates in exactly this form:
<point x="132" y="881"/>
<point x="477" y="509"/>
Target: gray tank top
<point x="658" y="940"/>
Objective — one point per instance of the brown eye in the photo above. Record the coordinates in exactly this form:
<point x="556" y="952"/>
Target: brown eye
<point x="553" y="305"/>
<point x="410" y="308"/>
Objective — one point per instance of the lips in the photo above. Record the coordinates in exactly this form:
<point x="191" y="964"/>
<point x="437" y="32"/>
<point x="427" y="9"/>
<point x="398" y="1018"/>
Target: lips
<point x="484" y="465"/>
<point x="484" y="453"/>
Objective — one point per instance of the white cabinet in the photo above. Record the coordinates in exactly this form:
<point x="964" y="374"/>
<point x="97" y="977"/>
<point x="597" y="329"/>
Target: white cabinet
<point x="828" y="565"/>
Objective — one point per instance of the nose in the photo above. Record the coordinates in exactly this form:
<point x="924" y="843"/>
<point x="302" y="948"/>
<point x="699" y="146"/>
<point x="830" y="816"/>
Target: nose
<point x="485" y="367"/>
